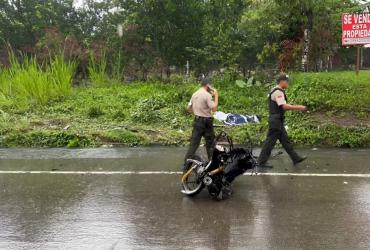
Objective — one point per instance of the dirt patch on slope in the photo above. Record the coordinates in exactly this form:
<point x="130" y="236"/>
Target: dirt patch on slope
<point x="343" y="120"/>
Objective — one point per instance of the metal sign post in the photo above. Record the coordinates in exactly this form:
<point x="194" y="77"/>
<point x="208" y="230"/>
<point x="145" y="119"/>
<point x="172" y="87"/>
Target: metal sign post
<point x="358" y="60"/>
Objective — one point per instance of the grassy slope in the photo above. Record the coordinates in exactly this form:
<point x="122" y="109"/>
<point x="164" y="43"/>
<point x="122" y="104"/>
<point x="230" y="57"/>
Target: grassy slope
<point x="144" y="114"/>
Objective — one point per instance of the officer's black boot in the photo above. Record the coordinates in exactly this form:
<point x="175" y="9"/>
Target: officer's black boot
<point x="299" y="160"/>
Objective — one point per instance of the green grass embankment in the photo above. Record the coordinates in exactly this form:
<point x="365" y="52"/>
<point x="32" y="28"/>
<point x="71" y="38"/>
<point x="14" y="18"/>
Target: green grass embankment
<point x="153" y="113"/>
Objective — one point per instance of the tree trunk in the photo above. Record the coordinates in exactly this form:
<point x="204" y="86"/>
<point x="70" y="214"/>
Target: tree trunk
<point x="168" y="72"/>
<point x="307" y="38"/>
<point x="306" y="47"/>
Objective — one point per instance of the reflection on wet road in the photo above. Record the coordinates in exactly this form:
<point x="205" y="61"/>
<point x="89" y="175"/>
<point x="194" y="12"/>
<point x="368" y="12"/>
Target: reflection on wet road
<point x="44" y="211"/>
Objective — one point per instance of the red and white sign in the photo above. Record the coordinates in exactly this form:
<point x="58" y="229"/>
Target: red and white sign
<point x="356" y="29"/>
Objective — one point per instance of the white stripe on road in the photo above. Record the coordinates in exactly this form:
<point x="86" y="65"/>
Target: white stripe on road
<point x="316" y="174"/>
<point x="94" y="172"/>
<point x="173" y="173"/>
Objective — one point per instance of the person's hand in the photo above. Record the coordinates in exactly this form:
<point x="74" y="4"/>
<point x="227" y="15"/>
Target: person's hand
<point x="214" y="92"/>
<point x="303" y="108"/>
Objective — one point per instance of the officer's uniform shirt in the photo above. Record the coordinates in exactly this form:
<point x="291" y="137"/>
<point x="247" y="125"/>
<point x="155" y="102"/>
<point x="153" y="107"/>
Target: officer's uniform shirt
<point x="202" y="104"/>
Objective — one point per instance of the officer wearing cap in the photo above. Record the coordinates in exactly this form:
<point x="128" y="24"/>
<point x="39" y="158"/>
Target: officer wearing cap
<point x="202" y="104"/>
<point x="278" y="104"/>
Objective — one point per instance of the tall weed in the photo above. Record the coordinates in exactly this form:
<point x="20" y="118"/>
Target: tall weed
<point x="97" y="70"/>
<point x="27" y="83"/>
<point x="61" y="73"/>
<point x="117" y="67"/>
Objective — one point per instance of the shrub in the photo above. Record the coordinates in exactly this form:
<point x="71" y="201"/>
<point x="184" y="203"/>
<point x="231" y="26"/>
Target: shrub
<point x="94" y="112"/>
<point x="148" y="110"/>
<point x="119" y="115"/>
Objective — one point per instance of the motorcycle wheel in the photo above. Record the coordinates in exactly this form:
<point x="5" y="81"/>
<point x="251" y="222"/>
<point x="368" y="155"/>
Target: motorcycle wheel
<point x="192" y="184"/>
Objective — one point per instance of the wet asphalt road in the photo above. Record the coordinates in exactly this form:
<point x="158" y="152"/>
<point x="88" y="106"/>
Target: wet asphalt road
<point x="119" y="211"/>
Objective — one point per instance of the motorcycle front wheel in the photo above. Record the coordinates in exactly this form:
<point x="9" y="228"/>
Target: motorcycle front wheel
<point x="192" y="184"/>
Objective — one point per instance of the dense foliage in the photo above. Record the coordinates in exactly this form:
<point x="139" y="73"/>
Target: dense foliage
<point x="157" y="38"/>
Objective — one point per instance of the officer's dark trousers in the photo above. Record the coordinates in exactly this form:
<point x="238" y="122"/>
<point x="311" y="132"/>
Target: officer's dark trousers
<point x="202" y="127"/>
<point x="276" y="132"/>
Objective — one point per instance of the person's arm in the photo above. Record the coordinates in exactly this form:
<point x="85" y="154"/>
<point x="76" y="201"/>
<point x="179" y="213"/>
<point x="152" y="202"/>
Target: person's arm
<point x="189" y="108"/>
<point x="294" y="107"/>
<point x="213" y="104"/>
<point x="215" y="95"/>
<point x="281" y="102"/>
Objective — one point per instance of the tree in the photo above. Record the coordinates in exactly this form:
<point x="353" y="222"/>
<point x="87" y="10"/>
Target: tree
<point x="170" y="26"/>
<point x="278" y="29"/>
<point x="157" y="35"/>
<point x="22" y="22"/>
<point x="222" y="42"/>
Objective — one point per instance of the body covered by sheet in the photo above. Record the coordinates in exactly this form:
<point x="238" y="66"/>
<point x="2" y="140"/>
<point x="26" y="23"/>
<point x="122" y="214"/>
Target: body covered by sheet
<point x="236" y="119"/>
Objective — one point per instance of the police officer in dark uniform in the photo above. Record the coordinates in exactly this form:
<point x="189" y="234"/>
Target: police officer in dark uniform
<point x="278" y="104"/>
